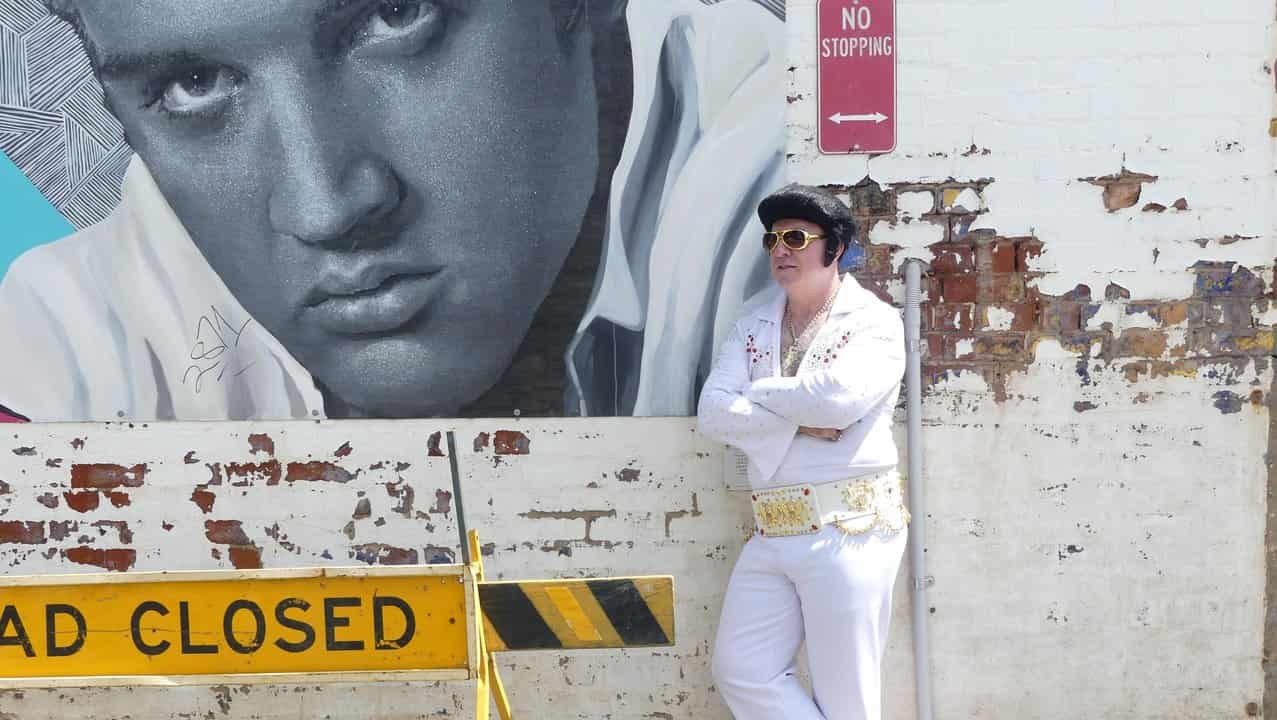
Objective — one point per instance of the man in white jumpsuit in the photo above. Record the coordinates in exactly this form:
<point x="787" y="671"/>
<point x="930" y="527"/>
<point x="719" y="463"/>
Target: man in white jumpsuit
<point x="805" y="385"/>
<point x="355" y="209"/>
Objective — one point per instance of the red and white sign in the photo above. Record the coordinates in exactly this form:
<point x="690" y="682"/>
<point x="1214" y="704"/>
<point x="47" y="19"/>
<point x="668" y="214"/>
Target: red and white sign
<point x="856" y="67"/>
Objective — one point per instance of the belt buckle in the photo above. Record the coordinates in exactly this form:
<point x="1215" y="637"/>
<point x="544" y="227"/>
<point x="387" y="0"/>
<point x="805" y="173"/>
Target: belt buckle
<point x="786" y="511"/>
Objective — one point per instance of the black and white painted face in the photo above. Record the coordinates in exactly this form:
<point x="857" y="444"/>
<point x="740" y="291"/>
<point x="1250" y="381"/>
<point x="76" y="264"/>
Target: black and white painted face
<point x="390" y="187"/>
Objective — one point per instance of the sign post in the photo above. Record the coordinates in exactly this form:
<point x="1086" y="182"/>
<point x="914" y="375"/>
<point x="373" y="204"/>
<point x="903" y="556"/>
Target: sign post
<point x="856" y="68"/>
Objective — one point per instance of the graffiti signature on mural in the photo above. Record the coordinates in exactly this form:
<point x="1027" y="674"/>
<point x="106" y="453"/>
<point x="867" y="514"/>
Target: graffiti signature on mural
<point x="216" y="343"/>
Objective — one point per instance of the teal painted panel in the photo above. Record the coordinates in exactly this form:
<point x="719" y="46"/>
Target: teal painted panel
<point x="26" y="217"/>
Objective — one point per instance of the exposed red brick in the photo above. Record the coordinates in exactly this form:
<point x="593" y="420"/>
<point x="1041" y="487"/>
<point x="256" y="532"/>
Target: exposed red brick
<point x="318" y="472"/>
<point x="1113" y="291"/>
<point x="1121" y="190"/>
<point x="432" y="445"/>
<point x="958" y="289"/>
<point x="107" y="477"/>
<point x="189" y="458"/>
<point x="244" y="474"/>
<point x="119" y="499"/>
<point x="953" y="316"/>
<point x="1007" y="288"/>
<point x="1141" y="342"/>
<point x="935" y="345"/>
<point x="204" y="499"/>
<point x="1080" y="293"/>
<point x="1060" y="316"/>
<point x="878" y="259"/>
<point x="22" y="533"/>
<point x="1004" y="256"/>
<point x="951" y="259"/>
<point x="382" y="554"/>
<point x="245" y="557"/>
<point x="363" y="509"/>
<point x="117" y="560"/>
<point x="62" y="529"/>
<point x="1000" y="346"/>
<point x="512" y="442"/>
<point x="122" y="529"/>
<point x="1025" y="316"/>
<point x="869" y="198"/>
<point x="226" y="532"/>
<point x="1180" y="204"/>
<point x="343" y="451"/>
<point x="443" y="502"/>
<point x="261" y="443"/>
<point x="1026" y="249"/>
<point x="49" y="500"/>
<point x="83" y="501"/>
<point x="952" y="341"/>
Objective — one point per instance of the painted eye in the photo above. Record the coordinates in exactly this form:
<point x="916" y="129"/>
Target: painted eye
<point x="199" y="90"/>
<point x="400" y="20"/>
<point x="398" y="14"/>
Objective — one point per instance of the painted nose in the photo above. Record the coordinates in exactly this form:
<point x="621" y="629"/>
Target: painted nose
<point x="329" y="184"/>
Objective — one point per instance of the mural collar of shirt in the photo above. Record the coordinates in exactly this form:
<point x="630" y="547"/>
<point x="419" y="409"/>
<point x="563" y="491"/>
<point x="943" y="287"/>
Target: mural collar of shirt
<point x="680" y="256"/>
<point x="129" y="322"/>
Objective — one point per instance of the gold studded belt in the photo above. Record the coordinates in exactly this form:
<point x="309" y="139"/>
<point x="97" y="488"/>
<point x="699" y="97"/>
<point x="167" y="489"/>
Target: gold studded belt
<point x="857" y="505"/>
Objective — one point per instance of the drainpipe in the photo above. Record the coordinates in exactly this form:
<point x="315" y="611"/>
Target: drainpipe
<point x="917" y="507"/>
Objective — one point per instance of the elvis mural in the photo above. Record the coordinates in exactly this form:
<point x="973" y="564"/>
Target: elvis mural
<point x="380" y="208"/>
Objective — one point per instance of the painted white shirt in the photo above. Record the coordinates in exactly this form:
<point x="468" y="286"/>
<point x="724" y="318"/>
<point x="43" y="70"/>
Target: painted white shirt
<point x="849" y="379"/>
<point x="126" y="319"/>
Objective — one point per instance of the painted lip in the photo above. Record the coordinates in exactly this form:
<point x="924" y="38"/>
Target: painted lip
<point x="375" y="299"/>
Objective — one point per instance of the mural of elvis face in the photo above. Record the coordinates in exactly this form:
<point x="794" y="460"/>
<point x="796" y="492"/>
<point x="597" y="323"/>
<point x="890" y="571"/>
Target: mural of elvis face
<point x="370" y="179"/>
<point x="390" y="191"/>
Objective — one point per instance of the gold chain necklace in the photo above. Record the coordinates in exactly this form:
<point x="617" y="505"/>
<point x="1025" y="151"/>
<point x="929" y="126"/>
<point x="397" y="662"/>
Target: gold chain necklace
<point x="799" y="342"/>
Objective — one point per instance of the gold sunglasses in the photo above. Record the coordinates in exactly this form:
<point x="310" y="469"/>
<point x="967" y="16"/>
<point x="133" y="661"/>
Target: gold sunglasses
<point x="795" y="240"/>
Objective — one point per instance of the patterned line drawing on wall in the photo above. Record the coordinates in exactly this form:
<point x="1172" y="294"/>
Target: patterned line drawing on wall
<point x="53" y="124"/>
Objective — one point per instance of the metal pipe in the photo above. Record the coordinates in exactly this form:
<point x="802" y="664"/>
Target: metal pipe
<point x="456" y="499"/>
<point x="917" y="506"/>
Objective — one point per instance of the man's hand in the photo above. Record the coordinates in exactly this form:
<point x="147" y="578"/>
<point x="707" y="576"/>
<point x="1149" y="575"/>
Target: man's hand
<point x="830" y="434"/>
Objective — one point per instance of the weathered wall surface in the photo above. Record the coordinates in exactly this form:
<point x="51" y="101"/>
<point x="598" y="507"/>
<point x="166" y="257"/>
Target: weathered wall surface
<point x="549" y="499"/>
<point x="1093" y="185"/>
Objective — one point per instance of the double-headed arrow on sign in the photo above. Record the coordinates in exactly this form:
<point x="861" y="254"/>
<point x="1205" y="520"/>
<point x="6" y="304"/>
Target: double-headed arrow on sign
<point x="875" y="118"/>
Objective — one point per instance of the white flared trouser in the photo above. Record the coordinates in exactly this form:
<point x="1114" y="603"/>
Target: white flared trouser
<point x="831" y="588"/>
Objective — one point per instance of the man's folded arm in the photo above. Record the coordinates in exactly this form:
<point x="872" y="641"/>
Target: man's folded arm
<point x="725" y="414"/>
<point x="867" y="370"/>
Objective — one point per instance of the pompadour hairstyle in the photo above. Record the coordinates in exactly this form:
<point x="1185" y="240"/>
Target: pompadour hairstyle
<point x="815" y="205"/>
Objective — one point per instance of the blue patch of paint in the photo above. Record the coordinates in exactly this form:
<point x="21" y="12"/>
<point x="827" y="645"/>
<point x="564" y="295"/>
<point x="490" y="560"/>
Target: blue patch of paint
<point x="1227" y="402"/>
<point x="853" y="258"/>
<point x="27" y="217"/>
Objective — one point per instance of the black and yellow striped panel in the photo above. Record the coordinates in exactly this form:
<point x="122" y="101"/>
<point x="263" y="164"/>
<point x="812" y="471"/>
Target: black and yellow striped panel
<point x="578" y="614"/>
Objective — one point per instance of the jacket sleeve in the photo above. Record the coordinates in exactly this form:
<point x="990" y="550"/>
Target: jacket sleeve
<point x="867" y="369"/>
<point x="725" y="414"/>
